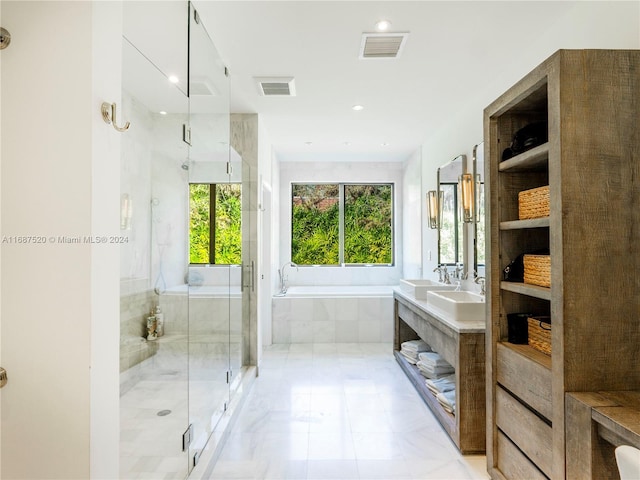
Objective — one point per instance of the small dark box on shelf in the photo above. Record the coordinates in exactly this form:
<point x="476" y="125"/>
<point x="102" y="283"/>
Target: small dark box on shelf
<point x="518" y="327"/>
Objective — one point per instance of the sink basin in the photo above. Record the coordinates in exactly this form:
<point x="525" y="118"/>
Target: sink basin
<point x="460" y="306"/>
<point x="419" y="288"/>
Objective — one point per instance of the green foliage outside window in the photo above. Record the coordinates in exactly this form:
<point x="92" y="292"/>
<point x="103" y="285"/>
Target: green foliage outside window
<point x="226" y="235"/>
<point x="315" y="235"/>
<point x="367" y="224"/>
<point x="368" y="214"/>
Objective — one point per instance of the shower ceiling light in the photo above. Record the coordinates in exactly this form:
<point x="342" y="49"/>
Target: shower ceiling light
<point x="383" y="25"/>
<point x="173" y="79"/>
<point x="357" y="108"/>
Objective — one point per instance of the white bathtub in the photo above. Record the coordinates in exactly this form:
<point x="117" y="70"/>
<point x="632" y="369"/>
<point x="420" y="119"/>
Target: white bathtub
<point x="327" y="314"/>
<point x="324" y="291"/>
<point x="205" y="291"/>
<point x="201" y="310"/>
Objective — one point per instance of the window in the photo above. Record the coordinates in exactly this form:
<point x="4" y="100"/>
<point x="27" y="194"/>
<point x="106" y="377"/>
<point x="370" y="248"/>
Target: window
<point x="215" y="235"/>
<point x="337" y="224"/>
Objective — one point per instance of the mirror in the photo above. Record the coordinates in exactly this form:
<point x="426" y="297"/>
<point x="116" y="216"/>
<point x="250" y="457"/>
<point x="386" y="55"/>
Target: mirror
<point x="451" y="232"/>
<point x="478" y="226"/>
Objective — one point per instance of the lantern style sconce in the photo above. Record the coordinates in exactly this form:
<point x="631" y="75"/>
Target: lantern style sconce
<point x="469" y="190"/>
<point x="435" y="201"/>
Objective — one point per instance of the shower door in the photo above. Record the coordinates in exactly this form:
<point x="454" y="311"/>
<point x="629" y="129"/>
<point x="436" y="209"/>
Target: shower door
<point x="153" y="214"/>
<point x="214" y="236"/>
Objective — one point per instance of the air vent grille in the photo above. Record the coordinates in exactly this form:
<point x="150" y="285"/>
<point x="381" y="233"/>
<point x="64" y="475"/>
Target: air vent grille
<point x="276" y="86"/>
<point x="382" y="45"/>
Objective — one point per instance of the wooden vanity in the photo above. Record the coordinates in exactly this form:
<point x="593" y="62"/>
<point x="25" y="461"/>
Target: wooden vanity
<point x="462" y="345"/>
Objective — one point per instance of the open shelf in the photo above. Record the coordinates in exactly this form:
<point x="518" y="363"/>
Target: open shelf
<point x="535" y="159"/>
<point x="522" y="224"/>
<point x="525" y="289"/>
<point x="447" y="420"/>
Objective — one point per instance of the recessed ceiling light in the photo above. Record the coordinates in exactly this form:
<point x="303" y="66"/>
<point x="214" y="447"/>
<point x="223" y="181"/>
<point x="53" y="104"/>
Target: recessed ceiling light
<point x="173" y="79"/>
<point x="357" y="108"/>
<point x="163" y="112"/>
<point x="383" y="25"/>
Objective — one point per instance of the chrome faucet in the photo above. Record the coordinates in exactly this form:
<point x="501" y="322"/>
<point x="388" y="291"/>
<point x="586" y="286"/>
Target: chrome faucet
<point x="445" y="274"/>
<point x="283" y="278"/>
<point x="480" y="281"/>
<point x="458" y="273"/>
<point x="439" y="270"/>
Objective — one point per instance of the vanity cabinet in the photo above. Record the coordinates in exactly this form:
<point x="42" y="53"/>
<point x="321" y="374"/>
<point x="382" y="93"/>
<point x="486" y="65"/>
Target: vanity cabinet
<point x="461" y="344"/>
<point x="590" y="100"/>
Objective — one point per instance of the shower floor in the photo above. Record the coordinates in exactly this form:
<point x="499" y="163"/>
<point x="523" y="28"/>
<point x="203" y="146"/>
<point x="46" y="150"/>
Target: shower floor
<point x="151" y="444"/>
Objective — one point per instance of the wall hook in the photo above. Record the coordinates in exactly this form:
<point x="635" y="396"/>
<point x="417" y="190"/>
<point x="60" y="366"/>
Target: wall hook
<point x="5" y="38"/>
<point x="109" y="116"/>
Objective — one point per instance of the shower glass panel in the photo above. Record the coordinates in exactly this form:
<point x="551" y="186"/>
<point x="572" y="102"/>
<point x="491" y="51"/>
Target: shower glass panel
<point x="153" y="211"/>
<point x="214" y="272"/>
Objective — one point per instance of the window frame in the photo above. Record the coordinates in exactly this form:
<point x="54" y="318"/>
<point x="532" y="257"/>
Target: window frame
<point x="341" y="224"/>
<point x="212" y="222"/>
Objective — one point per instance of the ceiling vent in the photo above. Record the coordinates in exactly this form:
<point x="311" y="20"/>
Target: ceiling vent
<point x="276" y="86"/>
<point x="382" y="45"/>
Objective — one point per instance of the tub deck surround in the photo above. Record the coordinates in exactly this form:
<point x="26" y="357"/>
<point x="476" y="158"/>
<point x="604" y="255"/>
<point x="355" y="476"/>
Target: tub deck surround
<point x="328" y="314"/>
<point x="462" y="345"/>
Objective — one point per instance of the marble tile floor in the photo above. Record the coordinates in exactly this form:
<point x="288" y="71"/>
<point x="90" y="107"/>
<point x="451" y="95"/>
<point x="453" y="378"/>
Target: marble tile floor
<point x="338" y="411"/>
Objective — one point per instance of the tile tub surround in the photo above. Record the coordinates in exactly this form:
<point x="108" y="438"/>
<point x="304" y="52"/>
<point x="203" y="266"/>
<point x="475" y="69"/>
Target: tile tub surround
<point x="338" y="411"/>
<point x="321" y="314"/>
<point x="134" y="309"/>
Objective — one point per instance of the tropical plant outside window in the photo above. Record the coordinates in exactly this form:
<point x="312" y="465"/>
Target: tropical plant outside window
<point x="215" y="226"/>
<point x="334" y="224"/>
<point x="451" y="230"/>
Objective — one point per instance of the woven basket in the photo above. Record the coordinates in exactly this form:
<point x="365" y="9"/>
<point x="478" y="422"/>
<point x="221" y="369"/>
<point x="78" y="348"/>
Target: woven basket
<point x="537" y="270"/>
<point x="533" y="203"/>
<point x="540" y="334"/>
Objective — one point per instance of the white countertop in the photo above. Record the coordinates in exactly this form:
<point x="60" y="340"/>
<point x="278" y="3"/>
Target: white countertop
<point x="475" y="326"/>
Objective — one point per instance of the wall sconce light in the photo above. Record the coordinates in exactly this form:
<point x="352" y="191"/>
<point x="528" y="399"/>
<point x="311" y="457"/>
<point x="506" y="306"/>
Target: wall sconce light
<point x="126" y="212"/>
<point x="435" y="201"/>
<point x="469" y="189"/>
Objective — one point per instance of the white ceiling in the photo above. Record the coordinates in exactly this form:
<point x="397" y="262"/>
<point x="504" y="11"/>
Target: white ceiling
<point x="454" y="50"/>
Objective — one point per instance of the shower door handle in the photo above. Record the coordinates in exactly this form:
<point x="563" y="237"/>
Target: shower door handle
<point x="251" y="282"/>
<point x="3" y="377"/>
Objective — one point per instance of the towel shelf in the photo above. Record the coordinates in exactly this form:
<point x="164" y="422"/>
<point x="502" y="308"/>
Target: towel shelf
<point x="458" y="347"/>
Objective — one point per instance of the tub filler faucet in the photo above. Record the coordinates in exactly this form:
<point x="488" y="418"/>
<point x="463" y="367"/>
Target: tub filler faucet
<point x="283" y="278"/>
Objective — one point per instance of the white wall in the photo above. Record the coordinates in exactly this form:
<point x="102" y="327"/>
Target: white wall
<point x="412" y="217"/>
<point x="292" y="172"/>
<point x="588" y="25"/>
<point x="59" y="301"/>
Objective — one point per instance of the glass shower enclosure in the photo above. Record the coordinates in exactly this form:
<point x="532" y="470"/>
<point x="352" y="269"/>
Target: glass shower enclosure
<point x="182" y="209"/>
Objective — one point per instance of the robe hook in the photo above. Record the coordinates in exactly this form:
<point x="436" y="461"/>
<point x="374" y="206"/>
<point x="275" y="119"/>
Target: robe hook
<point x="109" y="116"/>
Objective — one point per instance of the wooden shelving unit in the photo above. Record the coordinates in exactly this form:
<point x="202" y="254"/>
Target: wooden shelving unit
<point x="591" y="162"/>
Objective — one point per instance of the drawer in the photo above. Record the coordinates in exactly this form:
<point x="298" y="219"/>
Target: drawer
<point x="525" y="378"/>
<point x="531" y="434"/>
<point x="513" y="464"/>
